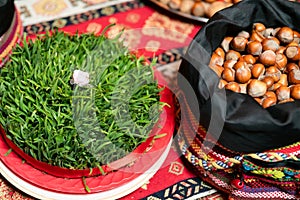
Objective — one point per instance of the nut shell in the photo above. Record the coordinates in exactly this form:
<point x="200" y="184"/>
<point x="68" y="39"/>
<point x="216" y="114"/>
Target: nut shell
<point x="295" y="91"/>
<point x="232" y="55"/>
<point x="283" y="93"/>
<point x="294" y="76"/>
<point x="267" y="102"/>
<point x="293" y="53"/>
<point x="273" y="72"/>
<point x="281" y="61"/>
<point x="228" y="74"/>
<point x="268" y="58"/>
<point x="198" y="9"/>
<point x="239" y="43"/>
<point x="233" y="86"/>
<point x="257" y="88"/>
<point x="254" y="48"/>
<point x="217" y="69"/>
<point x="285" y="35"/>
<point x="258" y="70"/>
<point x="243" y="75"/>
<point x="270" y="43"/>
<point x="250" y="59"/>
<point x="269" y="81"/>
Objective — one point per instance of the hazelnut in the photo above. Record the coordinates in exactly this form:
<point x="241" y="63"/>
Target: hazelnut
<point x="254" y="48"/>
<point x="269" y="81"/>
<point x="283" y="80"/>
<point x="250" y="59"/>
<point x="275" y="86"/>
<point x="198" y="9"/>
<point x="206" y="6"/>
<point x="281" y="61"/>
<point x="222" y="83"/>
<point x="241" y="58"/>
<point x="244" y="34"/>
<point x="239" y="43"/>
<point x="296" y="40"/>
<point x="282" y="93"/>
<point x="294" y="76"/>
<point x="296" y="37"/>
<point x="255" y="36"/>
<point x="270" y="43"/>
<point x="293" y="53"/>
<point x="174" y="4"/>
<point x="286" y="100"/>
<point x="296" y="34"/>
<point x="229" y="63"/>
<point x="273" y="72"/>
<point x="281" y="49"/>
<point x="228" y="74"/>
<point x="257" y="70"/>
<point x="268" y="58"/>
<point x="285" y="35"/>
<point x="258" y="99"/>
<point x="186" y="6"/>
<point x="240" y="64"/>
<point x="257" y="88"/>
<point x="225" y="44"/>
<point x="275" y="31"/>
<point x="233" y="86"/>
<point x="295" y="91"/>
<point x="270" y="94"/>
<point x="259" y="27"/>
<point x="217" y="69"/>
<point x="267" y="102"/>
<point x="292" y="44"/>
<point x="243" y="87"/>
<point x="216" y="60"/>
<point x="268" y="32"/>
<point x="291" y="66"/>
<point x="215" y="7"/>
<point x="232" y="55"/>
<point x="243" y="74"/>
<point x="219" y="51"/>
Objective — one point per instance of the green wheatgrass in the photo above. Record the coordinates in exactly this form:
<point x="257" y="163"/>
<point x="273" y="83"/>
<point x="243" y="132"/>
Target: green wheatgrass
<point x="74" y="126"/>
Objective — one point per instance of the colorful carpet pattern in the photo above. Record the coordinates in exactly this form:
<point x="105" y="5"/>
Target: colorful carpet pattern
<point x="167" y="43"/>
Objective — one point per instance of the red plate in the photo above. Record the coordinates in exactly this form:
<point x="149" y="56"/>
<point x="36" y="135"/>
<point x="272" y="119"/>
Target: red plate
<point x="13" y="166"/>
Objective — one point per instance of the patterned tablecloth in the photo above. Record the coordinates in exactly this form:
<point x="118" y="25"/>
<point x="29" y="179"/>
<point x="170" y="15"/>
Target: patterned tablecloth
<point x="150" y="31"/>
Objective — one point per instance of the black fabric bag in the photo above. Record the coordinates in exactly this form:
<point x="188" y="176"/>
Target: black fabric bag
<point x="7" y="10"/>
<point x="237" y="120"/>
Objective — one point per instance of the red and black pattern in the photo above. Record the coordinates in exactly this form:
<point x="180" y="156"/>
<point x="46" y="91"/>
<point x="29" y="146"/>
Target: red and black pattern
<point x="80" y="18"/>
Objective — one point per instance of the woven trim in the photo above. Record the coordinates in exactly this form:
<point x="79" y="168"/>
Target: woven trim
<point x="220" y="166"/>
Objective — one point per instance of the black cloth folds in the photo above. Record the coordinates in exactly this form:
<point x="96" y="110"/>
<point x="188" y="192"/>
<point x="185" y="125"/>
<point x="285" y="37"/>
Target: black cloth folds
<point x="237" y="120"/>
<point x="7" y="11"/>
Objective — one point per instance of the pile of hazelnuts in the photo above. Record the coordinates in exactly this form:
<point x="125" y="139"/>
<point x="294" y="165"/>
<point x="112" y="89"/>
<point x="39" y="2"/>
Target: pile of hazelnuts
<point x="198" y="8"/>
<point x="263" y="63"/>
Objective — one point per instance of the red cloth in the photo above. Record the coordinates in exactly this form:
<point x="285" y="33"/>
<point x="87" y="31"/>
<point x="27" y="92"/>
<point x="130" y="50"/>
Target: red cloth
<point x="145" y="28"/>
<point x="171" y="172"/>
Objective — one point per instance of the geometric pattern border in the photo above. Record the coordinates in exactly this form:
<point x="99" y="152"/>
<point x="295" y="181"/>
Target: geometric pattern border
<point x="82" y="17"/>
<point x="181" y="190"/>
